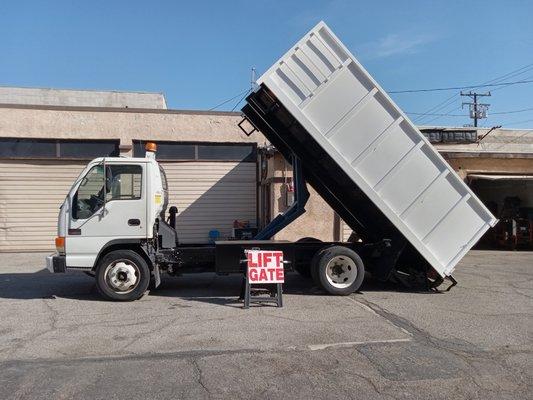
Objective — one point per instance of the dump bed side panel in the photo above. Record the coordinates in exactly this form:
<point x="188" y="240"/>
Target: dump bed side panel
<point x="352" y="118"/>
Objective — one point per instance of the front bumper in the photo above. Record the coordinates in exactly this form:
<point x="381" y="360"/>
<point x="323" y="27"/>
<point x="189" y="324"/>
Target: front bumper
<point x="56" y="263"/>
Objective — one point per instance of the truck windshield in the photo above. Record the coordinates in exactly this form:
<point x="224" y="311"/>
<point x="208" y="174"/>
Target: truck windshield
<point x="90" y="194"/>
<point x="122" y="182"/>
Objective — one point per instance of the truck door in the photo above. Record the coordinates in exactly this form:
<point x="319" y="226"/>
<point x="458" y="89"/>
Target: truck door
<point x="109" y="204"/>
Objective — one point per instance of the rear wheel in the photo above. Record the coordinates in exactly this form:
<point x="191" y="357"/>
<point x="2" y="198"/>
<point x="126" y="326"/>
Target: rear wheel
<point x="122" y="275"/>
<point x="338" y="270"/>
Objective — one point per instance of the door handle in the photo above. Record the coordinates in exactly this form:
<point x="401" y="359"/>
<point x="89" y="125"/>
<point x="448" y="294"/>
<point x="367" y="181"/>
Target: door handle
<point x="134" y="222"/>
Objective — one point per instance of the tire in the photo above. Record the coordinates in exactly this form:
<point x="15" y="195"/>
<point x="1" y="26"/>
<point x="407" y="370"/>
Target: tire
<point x="313" y="267"/>
<point x="122" y="275"/>
<point x="339" y="270"/>
<point x="305" y="270"/>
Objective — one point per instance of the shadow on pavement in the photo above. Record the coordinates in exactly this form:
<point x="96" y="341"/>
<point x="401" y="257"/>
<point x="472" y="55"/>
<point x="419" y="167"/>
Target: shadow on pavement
<point x="44" y="285"/>
<point x="206" y="287"/>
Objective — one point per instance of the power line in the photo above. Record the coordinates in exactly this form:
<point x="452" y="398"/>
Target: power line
<point x="512" y="74"/>
<point x="460" y="87"/>
<point x="462" y="115"/>
<point x="446" y="114"/>
<point x="512" y="111"/>
<point x="435" y="115"/>
<point x="440" y="106"/>
<point x="503" y="87"/>
<point x="241" y="99"/>
<point x="230" y="99"/>
<point x="450" y="100"/>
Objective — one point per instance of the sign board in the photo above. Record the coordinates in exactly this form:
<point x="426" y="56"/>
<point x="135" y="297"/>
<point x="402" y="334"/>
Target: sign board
<point x="265" y="266"/>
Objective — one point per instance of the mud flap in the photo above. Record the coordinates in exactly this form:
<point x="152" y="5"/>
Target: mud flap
<point x="453" y="282"/>
<point x="157" y="276"/>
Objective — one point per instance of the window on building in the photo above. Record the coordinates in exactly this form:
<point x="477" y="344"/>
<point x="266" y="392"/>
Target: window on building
<point x="51" y="148"/>
<point x="28" y="148"/>
<point x="167" y="151"/>
<point x="224" y="152"/>
<point x="88" y="149"/>
<point x="200" y="151"/>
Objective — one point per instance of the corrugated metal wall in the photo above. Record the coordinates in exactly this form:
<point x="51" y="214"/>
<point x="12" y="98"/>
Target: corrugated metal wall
<point x="211" y="195"/>
<point x="30" y="195"/>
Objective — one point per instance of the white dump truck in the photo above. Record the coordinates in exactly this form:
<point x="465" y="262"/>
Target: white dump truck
<point x="412" y="215"/>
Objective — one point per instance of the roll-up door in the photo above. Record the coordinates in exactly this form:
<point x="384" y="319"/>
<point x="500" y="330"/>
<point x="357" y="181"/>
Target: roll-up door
<point x="210" y="196"/>
<point x="31" y="193"/>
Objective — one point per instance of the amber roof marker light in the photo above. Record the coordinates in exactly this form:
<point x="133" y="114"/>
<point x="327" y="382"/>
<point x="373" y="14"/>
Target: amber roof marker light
<point x="151" y="146"/>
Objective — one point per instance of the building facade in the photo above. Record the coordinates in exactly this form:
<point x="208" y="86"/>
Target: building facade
<point x="210" y="164"/>
<point x="217" y="175"/>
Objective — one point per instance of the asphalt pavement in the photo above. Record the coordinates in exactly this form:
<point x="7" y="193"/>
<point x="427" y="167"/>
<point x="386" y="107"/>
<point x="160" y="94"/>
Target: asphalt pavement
<point x="191" y="338"/>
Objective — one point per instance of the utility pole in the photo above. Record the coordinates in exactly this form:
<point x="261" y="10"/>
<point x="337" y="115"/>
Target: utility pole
<point x="477" y="110"/>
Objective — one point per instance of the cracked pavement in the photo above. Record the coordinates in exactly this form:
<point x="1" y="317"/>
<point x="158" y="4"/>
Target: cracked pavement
<point x="192" y="339"/>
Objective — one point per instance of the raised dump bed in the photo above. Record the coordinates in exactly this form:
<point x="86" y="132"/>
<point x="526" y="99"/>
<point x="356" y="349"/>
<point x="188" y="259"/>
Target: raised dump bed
<point x="363" y="154"/>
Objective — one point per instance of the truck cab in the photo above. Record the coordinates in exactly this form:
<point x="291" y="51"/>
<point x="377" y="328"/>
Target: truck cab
<point x="113" y="205"/>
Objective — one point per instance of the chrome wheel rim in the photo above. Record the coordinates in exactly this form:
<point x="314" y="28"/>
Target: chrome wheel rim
<point x="341" y="272"/>
<point x="122" y="276"/>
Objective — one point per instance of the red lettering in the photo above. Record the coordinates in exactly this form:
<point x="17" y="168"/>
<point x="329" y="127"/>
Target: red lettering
<point x="252" y="274"/>
<point x="251" y="262"/>
<point x="278" y="255"/>
<point x="266" y="258"/>
<point x="271" y="272"/>
<point x="280" y="275"/>
<point x="262" y="275"/>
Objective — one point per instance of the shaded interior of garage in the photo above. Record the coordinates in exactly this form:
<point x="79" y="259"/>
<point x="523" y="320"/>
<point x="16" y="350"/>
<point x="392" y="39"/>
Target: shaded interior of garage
<point x="510" y="198"/>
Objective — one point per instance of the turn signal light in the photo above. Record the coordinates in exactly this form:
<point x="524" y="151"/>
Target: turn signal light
<point x="150" y="146"/>
<point x="60" y="244"/>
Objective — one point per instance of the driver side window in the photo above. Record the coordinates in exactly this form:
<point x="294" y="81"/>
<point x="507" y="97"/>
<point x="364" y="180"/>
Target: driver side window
<point x="90" y="194"/>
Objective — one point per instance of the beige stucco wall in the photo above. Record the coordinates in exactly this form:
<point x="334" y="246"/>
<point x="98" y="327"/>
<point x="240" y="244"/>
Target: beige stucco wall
<point x="468" y="165"/>
<point x="318" y="220"/>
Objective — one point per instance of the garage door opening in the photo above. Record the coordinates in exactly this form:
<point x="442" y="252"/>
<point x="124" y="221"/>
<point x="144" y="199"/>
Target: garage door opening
<point x="510" y="198"/>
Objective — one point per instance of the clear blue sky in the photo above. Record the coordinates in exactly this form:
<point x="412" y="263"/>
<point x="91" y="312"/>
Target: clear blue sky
<point x="199" y="53"/>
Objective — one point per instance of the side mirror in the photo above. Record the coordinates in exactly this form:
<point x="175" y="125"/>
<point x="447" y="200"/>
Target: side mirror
<point x="108" y="179"/>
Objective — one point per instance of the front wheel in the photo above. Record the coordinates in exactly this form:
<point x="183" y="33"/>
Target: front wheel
<point x="122" y="275"/>
<point x="339" y="270"/>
